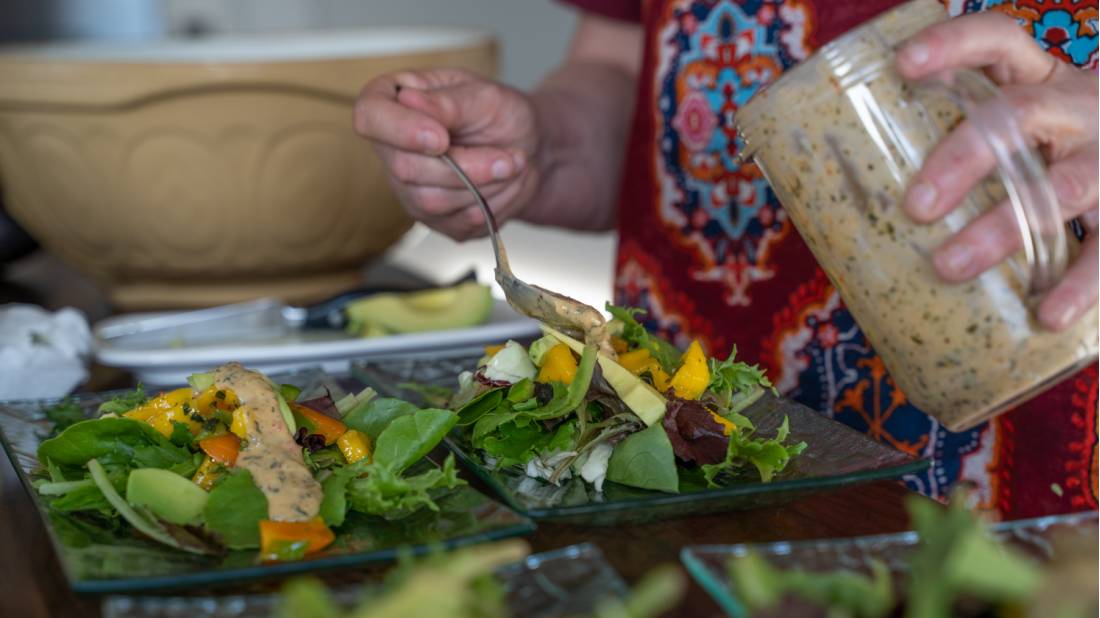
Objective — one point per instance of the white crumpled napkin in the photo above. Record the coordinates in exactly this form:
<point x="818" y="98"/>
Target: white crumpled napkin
<point x="42" y="353"/>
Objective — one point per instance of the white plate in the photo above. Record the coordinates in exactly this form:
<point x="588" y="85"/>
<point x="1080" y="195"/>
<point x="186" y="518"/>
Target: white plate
<point x="331" y="350"/>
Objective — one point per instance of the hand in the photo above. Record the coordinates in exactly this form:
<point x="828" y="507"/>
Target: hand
<point x="489" y="129"/>
<point x="1056" y="106"/>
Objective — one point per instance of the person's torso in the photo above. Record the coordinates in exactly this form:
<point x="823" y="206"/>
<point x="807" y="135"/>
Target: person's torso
<point x="708" y="251"/>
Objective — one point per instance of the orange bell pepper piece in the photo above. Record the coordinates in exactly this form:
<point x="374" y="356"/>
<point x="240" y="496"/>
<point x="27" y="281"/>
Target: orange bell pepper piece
<point x="273" y="534"/>
<point x="222" y="448"/>
<point x="323" y="424"/>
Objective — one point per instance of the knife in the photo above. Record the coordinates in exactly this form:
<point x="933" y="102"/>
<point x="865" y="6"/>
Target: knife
<point x="260" y="319"/>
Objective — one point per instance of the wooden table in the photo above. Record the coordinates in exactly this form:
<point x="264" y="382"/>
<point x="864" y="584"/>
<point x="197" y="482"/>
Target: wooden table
<point x="32" y="585"/>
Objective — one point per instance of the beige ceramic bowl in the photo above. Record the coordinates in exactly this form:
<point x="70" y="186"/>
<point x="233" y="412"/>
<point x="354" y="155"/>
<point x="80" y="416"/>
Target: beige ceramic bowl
<point x="189" y="174"/>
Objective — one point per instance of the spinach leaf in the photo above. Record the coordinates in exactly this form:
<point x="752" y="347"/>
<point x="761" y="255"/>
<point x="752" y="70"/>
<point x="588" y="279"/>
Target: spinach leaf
<point x="113" y="441"/>
<point x="375" y="415"/>
<point x="334" y="506"/>
<point x="638" y="337"/>
<point x="644" y="459"/>
<point x="382" y="492"/>
<point x="409" y="438"/>
<point x="63" y="414"/>
<point x="181" y="434"/>
<point x="479" y="406"/>
<point x="234" y="511"/>
<point x="490" y="422"/>
<point x="512" y="444"/>
<point x="124" y="402"/>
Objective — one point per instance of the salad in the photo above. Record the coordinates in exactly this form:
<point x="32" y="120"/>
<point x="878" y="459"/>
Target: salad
<point x="461" y="584"/>
<point x="644" y="415"/>
<point x="234" y="461"/>
<point x="958" y="569"/>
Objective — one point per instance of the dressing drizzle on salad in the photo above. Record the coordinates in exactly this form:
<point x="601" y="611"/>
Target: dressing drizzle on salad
<point x="271" y="455"/>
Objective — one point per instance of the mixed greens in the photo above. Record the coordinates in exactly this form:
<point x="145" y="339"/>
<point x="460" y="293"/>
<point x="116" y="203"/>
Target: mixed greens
<point x="644" y="419"/>
<point x="957" y="569"/>
<point x="461" y="584"/>
<point x="180" y="467"/>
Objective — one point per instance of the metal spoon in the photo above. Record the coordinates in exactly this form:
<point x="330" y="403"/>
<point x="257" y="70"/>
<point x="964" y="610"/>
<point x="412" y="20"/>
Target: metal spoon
<point x="556" y="310"/>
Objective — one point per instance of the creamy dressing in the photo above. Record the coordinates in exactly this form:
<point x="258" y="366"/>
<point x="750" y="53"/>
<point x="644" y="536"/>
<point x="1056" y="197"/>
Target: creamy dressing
<point x="557" y="311"/>
<point x="839" y="139"/>
<point x="271" y="455"/>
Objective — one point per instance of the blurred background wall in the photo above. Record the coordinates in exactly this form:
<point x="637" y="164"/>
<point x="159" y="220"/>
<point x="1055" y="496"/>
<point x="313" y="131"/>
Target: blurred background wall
<point x="533" y="35"/>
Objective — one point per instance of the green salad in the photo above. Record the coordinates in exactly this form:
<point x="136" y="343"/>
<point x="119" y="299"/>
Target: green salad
<point x="461" y="584"/>
<point x="234" y="461"/>
<point x="957" y="569"/>
<point x="647" y="417"/>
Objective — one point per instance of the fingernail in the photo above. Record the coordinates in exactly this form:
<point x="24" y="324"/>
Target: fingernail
<point x="956" y="260"/>
<point x="501" y="169"/>
<point x="1064" y="316"/>
<point x="922" y="199"/>
<point x="916" y="54"/>
<point x="428" y="141"/>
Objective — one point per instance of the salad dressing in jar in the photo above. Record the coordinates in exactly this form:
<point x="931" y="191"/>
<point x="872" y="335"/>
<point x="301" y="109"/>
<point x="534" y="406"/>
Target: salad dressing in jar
<point x="838" y="138"/>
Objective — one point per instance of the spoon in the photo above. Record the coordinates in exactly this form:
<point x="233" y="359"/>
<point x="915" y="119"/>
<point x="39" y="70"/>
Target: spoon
<point x="556" y="310"/>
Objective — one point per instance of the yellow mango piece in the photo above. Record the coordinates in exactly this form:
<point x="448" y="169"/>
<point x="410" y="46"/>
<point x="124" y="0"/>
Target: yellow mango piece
<point x="207" y="474"/>
<point x="661" y="380"/>
<point x="491" y="350"/>
<point x="162" y="422"/>
<point x="727" y="425"/>
<point x="214" y="398"/>
<point x="692" y="377"/>
<point x="558" y="365"/>
<point x="637" y="361"/>
<point x="240" y="423"/>
<point x="160" y="404"/>
<point x="355" y="445"/>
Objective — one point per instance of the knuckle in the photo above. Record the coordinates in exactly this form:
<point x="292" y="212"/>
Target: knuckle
<point x="433" y="201"/>
<point x="404" y="168"/>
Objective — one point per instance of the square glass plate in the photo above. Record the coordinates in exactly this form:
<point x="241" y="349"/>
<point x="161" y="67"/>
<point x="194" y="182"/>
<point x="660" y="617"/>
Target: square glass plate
<point x="466" y="516"/>
<point x="564" y="582"/>
<point x="707" y="563"/>
<point x="836" y="455"/>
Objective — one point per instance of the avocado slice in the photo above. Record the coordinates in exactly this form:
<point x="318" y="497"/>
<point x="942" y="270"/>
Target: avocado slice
<point x="169" y="496"/>
<point x="460" y="306"/>
<point x="639" y="396"/>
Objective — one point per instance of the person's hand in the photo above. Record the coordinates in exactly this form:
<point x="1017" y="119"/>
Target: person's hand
<point x="1056" y="106"/>
<point x="489" y="129"/>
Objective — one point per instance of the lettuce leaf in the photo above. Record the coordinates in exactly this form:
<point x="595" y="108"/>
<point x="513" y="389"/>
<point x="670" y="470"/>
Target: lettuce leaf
<point x="388" y="494"/>
<point x="638" y="337"/>
<point x="735" y="385"/>
<point x="234" y="511"/>
<point x="769" y="456"/>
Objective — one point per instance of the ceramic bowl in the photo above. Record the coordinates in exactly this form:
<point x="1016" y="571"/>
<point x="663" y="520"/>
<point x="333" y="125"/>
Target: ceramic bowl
<point x="185" y="174"/>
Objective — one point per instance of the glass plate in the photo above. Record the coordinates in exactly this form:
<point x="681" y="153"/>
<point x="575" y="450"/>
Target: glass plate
<point x="707" y="563"/>
<point x="836" y="456"/>
<point x="466" y="516"/>
<point x="563" y="582"/>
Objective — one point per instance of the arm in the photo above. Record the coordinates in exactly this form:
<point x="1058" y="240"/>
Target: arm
<point x="550" y="157"/>
<point x="585" y="128"/>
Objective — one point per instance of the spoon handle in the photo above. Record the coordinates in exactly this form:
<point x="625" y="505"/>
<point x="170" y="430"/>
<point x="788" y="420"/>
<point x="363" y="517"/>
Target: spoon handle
<point x="490" y="220"/>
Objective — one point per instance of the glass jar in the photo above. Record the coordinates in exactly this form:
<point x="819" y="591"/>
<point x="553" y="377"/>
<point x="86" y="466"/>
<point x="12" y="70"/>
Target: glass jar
<point x="839" y="137"/>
